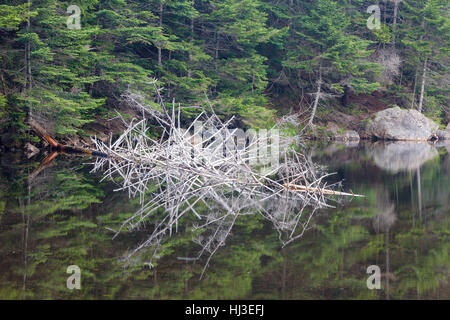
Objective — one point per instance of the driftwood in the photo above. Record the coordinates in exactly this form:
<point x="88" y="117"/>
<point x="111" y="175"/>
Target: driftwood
<point x="57" y="148"/>
<point x="180" y="173"/>
<point x="293" y="187"/>
<point x="42" y="133"/>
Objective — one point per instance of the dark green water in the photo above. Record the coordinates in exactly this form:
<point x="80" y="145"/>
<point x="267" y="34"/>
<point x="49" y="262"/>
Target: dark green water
<point x="60" y="218"/>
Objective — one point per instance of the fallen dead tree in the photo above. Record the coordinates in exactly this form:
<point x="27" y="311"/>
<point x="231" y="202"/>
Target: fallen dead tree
<point x="43" y="134"/>
<point x="212" y="176"/>
<point x="298" y="188"/>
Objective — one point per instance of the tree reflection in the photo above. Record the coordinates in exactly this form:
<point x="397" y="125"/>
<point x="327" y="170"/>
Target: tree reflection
<point x="65" y="219"/>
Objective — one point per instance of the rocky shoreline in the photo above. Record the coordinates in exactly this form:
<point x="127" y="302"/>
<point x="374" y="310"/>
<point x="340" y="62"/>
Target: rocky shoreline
<point x="392" y="124"/>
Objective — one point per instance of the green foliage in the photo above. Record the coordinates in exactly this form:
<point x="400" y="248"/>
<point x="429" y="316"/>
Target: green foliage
<point x="12" y="16"/>
<point x="241" y="54"/>
<point x="383" y="35"/>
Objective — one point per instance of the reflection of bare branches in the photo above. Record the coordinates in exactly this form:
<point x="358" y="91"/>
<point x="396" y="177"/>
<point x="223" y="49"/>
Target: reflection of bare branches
<point x="219" y="232"/>
<point x="179" y="174"/>
<point x="285" y="214"/>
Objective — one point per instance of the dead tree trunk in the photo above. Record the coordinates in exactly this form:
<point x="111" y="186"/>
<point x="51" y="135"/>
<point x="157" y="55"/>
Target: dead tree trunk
<point x="41" y="132"/>
<point x="417" y="71"/>
<point x="422" y="89"/>
<point x="316" y="100"/>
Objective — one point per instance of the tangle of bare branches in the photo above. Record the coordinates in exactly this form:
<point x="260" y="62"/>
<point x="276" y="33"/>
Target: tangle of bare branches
<point x="181" y="174"/>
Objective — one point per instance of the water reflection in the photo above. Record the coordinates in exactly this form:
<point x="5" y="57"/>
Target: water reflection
<point x="385" y="213"/>
<point x="62" y="217"/>
<point x="401" y="156"/>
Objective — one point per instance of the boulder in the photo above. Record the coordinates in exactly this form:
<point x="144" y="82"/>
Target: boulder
<point x="448" y="127"/>
<point x="339" y="135"/>
<point x="402" y="124"/>
<point x="347" y="135"/>
<point x="443" y="135"/>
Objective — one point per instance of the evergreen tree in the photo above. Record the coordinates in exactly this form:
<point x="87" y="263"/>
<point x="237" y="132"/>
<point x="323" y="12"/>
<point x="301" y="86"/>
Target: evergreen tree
<point x="238" y="55"/>
<point x="321" y="49"/>
<point x="426" y="37"/>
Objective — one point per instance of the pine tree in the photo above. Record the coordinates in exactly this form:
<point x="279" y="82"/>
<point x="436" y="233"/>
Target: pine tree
<point x="321" y="49"/>
<point x="426" y="37"/>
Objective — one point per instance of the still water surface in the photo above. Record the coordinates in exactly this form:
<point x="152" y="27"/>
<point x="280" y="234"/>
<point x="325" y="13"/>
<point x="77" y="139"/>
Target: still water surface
<point x="63" y="216"/>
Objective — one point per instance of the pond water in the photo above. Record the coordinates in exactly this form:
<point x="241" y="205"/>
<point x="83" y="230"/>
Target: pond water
<point x="60" y="214"/>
